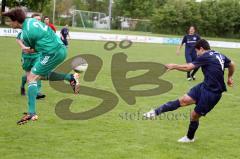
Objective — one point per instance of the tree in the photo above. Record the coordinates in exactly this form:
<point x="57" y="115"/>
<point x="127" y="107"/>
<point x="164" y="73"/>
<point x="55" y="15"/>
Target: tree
<point x="98" y="5"/>
<point x="3" y="10"/>
<point x="79" y="5"/>
<point x="134" y="8"/>
<point x="62" y="8"/>
<point x="34" y="5"/>
<point x="159" y="3"/>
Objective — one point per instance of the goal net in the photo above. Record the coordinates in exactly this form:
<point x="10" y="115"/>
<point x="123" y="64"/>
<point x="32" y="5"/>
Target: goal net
<point x="88" y="19"/>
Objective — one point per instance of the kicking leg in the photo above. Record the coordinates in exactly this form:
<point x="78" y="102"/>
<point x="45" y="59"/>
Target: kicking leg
<point x="72" y="78"/>
<point x="170" y="106"/>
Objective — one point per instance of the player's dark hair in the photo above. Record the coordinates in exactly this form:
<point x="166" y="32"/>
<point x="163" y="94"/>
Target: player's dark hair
<point x="195" y="28"/>
<point x="16" y="14"/>
<point x="35" y="15"/>
<point x="46" y="17"/>
<point x="202" y="43"/>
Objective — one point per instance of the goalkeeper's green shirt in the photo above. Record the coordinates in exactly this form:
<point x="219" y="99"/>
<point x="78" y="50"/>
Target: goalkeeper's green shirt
<point x="40" y="37"/>
<point x="27" y="55"/>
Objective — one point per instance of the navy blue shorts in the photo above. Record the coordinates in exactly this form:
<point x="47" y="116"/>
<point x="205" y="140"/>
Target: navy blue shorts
<point x="205" y="99"/>
<point x="190" y="55"/>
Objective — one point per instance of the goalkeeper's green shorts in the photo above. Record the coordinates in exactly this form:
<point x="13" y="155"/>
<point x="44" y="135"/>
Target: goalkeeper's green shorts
<point x="49" y="62"/>
<point x="29" y="61"/>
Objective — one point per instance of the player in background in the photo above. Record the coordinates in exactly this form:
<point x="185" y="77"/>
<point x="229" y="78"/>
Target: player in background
<point x="190" y="40"/>
<point x="206" y="94"/>
<point x="47" y="22"/>
<point x="36" y="16"/>
<point x="64" y="35"/>
<point x="28" y="61"/>
<point x="52" y="51"/>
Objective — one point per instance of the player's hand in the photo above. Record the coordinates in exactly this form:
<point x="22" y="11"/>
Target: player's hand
<point x="28" y="50"/>
<point x="170" y="66"/>
<point x="230" y="81"/>
<point x="25" y="48"/>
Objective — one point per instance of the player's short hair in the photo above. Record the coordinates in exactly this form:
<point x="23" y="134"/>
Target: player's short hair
<point x="16" y="14"/>
<point x="35" y="15"/>
<point x="195" y="28"/>
<point x="202" y="43"/>
<point x="46" y="17"/>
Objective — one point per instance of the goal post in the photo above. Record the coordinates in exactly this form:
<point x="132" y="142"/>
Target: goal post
<point x="89" y="19"/>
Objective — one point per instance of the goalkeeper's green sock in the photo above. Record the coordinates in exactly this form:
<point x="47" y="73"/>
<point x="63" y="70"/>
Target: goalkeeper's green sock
<point x="39" y="85"/>
<point x="54" y="76"/>
<point x="32" y="94"/>
<point x="24" y="80"/>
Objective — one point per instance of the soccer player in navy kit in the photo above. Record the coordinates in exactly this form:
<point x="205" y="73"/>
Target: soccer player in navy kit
<point x="64" y="34"/>
<point x="190" y="40"/>
<point x="206" y="94"/>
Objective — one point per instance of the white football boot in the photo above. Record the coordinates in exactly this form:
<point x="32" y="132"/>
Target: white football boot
<point x="151" y="114"/>
<point x="185" y="139"/>
<point x="189" y="79"/>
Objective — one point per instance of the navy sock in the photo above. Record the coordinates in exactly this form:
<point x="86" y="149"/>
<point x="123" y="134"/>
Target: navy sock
<point x="192" y="129"/>
<point x="188" y="74"/>
<point x="170" y="106"/>
<point x="24" y="81"/>
<point x="194" y="71"/>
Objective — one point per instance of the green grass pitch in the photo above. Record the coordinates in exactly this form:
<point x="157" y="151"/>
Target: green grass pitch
<point x="111" y="135"/>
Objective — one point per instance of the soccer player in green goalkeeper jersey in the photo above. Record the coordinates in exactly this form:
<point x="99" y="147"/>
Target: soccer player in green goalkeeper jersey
<point x="43" y="40"/>
<point x="28" y="61"/>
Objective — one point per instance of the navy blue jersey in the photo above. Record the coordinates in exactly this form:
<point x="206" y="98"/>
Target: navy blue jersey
<point x="213" y="64"/>
<point x="190" y="40"/>
<point x="64" y="32"/>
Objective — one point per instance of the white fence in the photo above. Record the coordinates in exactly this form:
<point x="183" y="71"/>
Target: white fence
<point x="8" y="32"/>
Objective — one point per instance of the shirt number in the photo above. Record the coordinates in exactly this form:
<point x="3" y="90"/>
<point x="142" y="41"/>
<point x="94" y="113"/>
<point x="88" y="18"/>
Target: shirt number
<point x="37" y="25"/>
<point x="45" y="60"/>
<point x="221" y="61"/>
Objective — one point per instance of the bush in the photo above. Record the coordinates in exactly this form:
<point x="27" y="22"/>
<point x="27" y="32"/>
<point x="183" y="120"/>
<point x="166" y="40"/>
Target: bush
<point x="212" y="17"/>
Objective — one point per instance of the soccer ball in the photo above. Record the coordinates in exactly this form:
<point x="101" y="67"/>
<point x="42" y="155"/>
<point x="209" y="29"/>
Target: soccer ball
<point x="81" y="68"/>
<point x="79" y="65"/>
